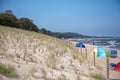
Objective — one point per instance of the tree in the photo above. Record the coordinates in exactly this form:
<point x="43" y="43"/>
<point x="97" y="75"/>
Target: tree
<point x="44" y="31"/>
<point x="27" y="24"/>
<point x="8" y="20"/>
<point x="22" y="23"/>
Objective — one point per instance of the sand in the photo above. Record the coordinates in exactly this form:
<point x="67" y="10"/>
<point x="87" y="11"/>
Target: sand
<point x="101" y="63"/>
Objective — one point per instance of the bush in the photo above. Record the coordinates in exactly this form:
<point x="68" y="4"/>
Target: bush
<point x="8" y="20"/>
<point x="7" y="71"/>
<point x="98" y="76"/>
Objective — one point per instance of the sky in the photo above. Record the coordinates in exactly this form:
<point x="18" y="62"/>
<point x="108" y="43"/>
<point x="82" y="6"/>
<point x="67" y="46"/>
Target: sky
<point x="88" y="17"/>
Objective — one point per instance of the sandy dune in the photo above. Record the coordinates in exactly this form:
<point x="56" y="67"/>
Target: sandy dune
<point x="40" y="57"/>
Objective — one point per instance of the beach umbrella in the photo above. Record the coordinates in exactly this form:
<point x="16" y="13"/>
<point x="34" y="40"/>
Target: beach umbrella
<point x="117" y="67"/>
<point x="81" y="45"/>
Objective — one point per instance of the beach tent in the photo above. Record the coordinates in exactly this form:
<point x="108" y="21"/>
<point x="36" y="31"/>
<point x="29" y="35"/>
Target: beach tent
<point x="80" y="44"/>
<point x="117" y="67"/>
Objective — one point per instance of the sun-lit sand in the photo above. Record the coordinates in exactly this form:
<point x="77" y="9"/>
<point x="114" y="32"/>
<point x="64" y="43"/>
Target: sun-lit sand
<point x="101" y="63"/>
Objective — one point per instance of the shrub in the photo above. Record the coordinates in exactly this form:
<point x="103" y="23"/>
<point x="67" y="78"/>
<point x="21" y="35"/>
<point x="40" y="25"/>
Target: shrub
<point x="98" y="76"/>
<point x="7" y="71"/>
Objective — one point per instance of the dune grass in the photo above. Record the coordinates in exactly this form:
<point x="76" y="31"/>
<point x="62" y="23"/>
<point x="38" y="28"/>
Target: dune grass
<point x="7" y="71"/>
<point x="55" y="46"/>
<point x="97" y="76"/>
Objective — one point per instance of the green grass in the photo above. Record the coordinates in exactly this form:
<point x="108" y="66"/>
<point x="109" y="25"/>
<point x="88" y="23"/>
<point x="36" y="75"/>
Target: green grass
<point x="7" y="71"/>
<point x="97" y="76"/>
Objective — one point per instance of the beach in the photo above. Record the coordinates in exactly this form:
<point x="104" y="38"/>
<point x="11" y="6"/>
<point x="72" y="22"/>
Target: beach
<point x="101" y="63"/>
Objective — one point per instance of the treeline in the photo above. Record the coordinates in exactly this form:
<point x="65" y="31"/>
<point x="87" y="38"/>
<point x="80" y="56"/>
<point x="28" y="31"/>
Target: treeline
<point x="22" y="23"/>
<point x="63" y="35"/>
<point x="69" y="35"/>
<point x="10" y="20"/>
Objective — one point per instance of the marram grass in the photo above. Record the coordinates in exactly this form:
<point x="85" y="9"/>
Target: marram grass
<point x="7" y="71"/>
<point x="97" y="76"/>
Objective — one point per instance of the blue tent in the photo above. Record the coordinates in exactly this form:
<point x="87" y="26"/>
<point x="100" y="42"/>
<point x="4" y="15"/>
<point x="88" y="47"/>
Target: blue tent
<point x="80" y="44"/>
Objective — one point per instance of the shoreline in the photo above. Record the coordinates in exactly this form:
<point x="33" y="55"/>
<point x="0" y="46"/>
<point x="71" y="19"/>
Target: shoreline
<point x="109" y="43"/>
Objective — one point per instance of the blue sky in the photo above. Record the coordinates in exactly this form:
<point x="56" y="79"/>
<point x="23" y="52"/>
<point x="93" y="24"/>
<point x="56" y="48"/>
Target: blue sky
<point x="89" y="17"/>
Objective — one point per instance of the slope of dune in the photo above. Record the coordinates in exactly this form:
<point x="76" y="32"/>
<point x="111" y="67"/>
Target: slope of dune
<point x="40" y="57"/>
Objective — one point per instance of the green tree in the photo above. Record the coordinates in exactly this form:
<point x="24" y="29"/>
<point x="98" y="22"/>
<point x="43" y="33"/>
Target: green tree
<point x="44" y="31"/>
<point x="8" y="20"/>
<point x="27" y="24"/>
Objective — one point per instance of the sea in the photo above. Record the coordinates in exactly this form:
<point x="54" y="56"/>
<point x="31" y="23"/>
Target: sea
<point x="110" y="43"/>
